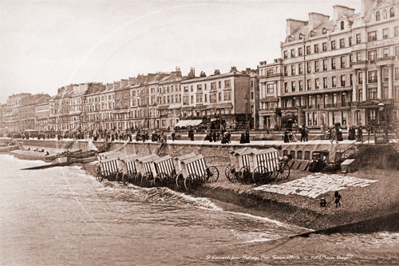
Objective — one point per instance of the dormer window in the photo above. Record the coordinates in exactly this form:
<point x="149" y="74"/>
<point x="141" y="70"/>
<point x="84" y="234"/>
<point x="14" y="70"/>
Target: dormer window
<point x="342" y="25"/>
<point x="377" y="16"/>
<point x="300" y="36"/>
<point x="312" y="33"/>
<point x="392" y="12"/>
<point x="324" y="31"/>
<point x="290" y="39"/>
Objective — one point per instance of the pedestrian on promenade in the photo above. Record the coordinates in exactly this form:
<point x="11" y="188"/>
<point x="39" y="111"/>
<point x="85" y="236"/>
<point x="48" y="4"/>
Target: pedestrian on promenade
<point x="294" y="139"/>
<point x="360" y="134"/>
<point x="285" y="137"/>
<point x="247" y="136"/>
<point x="173" y="136"/>
<point x="242" y="139"/>
<point x="337" y="198"/>
<point x="333" y="135"/>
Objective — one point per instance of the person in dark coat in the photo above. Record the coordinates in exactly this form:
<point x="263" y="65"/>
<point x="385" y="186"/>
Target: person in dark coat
<point x="360" y="134"/>
<point x="337" y="198"/>
<point x="286" y="138"/>
<point x="242" y="140"/>
<point x="247" y="137"/>
<point x="214" y="136"/>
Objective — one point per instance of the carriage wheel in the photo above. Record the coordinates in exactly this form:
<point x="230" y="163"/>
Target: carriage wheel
<point x="99" y="178"/>
<point x="276" y="172"/>
<point x="160" y="180"/>
<point x="260" y="175"/>
<point x="212" y="174"/>
<point x="146" y="180"/>
<point x="97" y="169"/>
<point x="245" y="176"/>
<point x="191" y="181"/>
<point x="229" y="173"/>
<point x="179" y="180"/>
<point x="284" y="173"/>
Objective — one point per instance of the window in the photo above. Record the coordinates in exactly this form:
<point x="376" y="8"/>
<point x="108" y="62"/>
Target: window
<point x="372" y="76"/>
<point x="316" y="48"/>
<point x="220" y="84"/>
<point x="377" y="16"/>
<point x="342" y="25"/>
<point x="372" y="55"/>
<point x="308" y="69"/>
<point x="285" y="86"/>
<point x="252" y="95"/>
<point x="397" y="51"/>
<point x="300" y="70"/>
<point x="299" y="51"/>
<point x="350" y="41"/>
<point x="192" y="88"/>
<point x="227" y="96"/>
<point x="334" y="81"/>
<point x="343" y="61"/>
<point x="358" y="56"/>
<point x="220" y="96"/>
<point x="300" y="85"/>
<point x="292" y="70"/>
<point x="316" y="84"/>
<point x="351" y="79"/>
<point x="343" y="81"/>
<point x="385" y="75"/>
<point x="227" y="83"/>
<point x="290" y="39"/>
<point x="396" y="73"/>
<point x="325" y="83"/>
<point x="312" y="33"/>
<point x="385" y="33"/>
<point x="360" y="93"/>
<point x="392" y="12"/>
<point x="324" y="64"/>
<point x="316" y="66"/>
<point x="212" y="98"/>
<point x="333" y="47"/>
<point x="270" y="88"/>
<point x="199" y="88"/>
<point x="185" y="88"/>
<point x="332" y="63"/>
<point x="308" y="49"/>
<point x="300" y="36"/>
<point x="285" y="54"/>
<point x="192" y="99"/>
<point x="372" y="36"/>
<point x="358" y="38"/>
<point x="372" y="93"/>
<point x="385" y="52"/>
<point x="293" y="86"/>
<point x="285" y="71"/>
<point x="396" y="32"/>
<point x="213" y="86"/>
<point x="324" y="46"/>
<point x="360" y="78"/>
<point x="308" y="85"/>
<point x="206" y="98"/>
<point x="292" y="53"/>
<point x="342" y="43"/>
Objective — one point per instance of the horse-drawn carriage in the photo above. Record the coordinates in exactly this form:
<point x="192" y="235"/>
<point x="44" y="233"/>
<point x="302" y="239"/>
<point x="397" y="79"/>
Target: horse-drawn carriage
<point x="250" y="165"/>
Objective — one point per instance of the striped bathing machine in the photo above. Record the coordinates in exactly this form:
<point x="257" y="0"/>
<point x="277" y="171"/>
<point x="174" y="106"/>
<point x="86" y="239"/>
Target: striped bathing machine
<point x="143" y="164"/>
<point x="163" y="165"/>
<point x="130" y="161"/>
<point x="108" y="167"/>
<point x="267" y="158"/>
<point x="239" y="168"/>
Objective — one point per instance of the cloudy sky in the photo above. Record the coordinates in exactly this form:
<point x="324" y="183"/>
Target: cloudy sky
<point x="46" y="44"/>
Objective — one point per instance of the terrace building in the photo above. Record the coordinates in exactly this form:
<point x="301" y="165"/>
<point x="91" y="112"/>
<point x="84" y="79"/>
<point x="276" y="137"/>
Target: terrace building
<point x="339" y="70"/>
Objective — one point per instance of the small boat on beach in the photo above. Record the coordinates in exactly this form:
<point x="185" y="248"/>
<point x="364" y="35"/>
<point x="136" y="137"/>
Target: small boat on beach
<point x="82" y="154"/>
<point x="49" y="158"/>
<point x="9" y="148"/>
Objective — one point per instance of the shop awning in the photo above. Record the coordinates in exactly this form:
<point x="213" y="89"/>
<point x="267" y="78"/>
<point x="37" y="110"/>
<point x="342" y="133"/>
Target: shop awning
<point x="219" y="106"/>
<point x="185" y="123"/>
<point x="200" y="107"/>
<point x="182" y="123"/>
<point x="174" y="106"/>
<point x="163" y="107"/>
<point x="187" y="107"/>
<point x="318" y="91"/>
<point x="194" y="122"/>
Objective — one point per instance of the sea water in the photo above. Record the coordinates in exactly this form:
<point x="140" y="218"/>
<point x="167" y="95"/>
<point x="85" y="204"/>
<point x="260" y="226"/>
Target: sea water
<point x="62" y="216"/>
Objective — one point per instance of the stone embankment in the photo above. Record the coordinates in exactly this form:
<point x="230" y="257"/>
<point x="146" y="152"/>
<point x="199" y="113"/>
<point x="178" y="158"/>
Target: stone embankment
<point x="295" y="206"/>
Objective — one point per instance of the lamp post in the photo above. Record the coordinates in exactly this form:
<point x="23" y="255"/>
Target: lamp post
<point x="383" y="110"/>
<point x="246" y="111"/>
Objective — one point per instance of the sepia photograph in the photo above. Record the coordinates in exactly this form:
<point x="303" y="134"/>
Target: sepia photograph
<point x="199" y="132"/>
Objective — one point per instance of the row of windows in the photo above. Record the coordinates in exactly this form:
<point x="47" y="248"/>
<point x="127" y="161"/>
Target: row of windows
<point x="203" y="87"/>
<point x="384" y="14"/>
<point x="316" y="83"/>
<point x="317" y="101"/>
<point x="315" y="67"/>
<point x="371" y="36"/>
